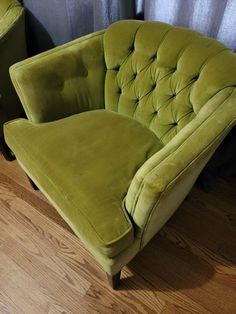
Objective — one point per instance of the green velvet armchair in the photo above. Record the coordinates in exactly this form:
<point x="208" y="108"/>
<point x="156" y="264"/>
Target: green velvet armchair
<point x="12" y="50"/>
<point x="120" y="124"/>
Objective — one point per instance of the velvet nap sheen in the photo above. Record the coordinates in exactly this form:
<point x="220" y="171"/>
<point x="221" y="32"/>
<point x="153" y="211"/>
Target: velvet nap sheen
<point x="169" y="99"/>
<point x="86" y="167"/>
<point x="12" y="49"/>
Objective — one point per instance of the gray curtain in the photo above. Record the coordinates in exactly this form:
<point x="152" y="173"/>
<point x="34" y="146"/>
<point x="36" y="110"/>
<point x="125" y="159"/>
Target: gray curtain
<point x="54" y="22"/>
<point x="215" y="18"/>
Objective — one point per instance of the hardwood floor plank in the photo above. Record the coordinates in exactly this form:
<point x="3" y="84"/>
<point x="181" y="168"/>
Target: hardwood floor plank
<point x="33" y="198"/>
<point x="209" y="230"/>
<point x="35" y="224"/>
<point x="57" y="289"/>
<point x="145" y="279"/>
<point x="6" y="305"/>
<point x="189" y="273"/>
<point x="57" y="309"/>
<point x="221" y="266"/>
<point x="34" y="243"/>
<point x="189" y="267"/>
<point x="14" y="282"/>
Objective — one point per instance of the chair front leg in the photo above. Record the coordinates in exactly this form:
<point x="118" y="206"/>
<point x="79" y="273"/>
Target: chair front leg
<point x="114" y="281"/>
<point x="34" y="186"/>
<point x="7" y="153"/>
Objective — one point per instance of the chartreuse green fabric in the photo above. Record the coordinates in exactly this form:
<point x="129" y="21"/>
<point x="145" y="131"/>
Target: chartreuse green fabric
<point x="12" y="49"/>
<point x="164" y="99"/>
<point x="62" y="81"/>
<point x="85" y="163"/>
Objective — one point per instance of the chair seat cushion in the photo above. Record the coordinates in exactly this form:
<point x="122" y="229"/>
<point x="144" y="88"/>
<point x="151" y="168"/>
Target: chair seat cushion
<point x="84" y="164"/>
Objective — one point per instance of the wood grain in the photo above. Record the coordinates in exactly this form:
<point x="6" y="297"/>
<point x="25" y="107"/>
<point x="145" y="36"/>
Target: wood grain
<point x="189" y="267"/>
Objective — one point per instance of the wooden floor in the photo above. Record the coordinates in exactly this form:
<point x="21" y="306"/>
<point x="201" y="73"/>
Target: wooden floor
<point x="189" y="267"/>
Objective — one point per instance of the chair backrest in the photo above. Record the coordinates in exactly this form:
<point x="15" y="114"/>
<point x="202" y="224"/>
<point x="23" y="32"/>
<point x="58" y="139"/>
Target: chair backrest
<point x="163" y="75"/>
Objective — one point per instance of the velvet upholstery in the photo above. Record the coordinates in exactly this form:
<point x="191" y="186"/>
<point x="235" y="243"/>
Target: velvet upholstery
<point x="91" y="174"/>
<point x="160" y="101"/>
<point x="12" y="49"/>
<point x="62" y="81"/>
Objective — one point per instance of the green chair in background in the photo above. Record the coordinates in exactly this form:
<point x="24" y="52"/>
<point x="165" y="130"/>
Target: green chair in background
<point x="120" y="124"/>
<point x="12" y="50"/>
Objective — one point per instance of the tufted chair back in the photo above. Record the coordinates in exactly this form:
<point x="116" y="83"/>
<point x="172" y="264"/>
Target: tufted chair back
<point x="162" y="75"/>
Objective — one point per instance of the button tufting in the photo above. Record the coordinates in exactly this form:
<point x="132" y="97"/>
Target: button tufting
<point x="134" y="75"/>
<point x="131" y="48"/>
<point x="119" y="90"/>
<point x="154" y="86"/>
<point x="172" y="96"/>
<point x="195" y="77"/>
<point x="153" y="58"/>
<point x="117" y="68"/>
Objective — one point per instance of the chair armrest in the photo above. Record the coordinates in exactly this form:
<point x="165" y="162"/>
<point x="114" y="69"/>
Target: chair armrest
<point x="62" y="81"/>
<point x="164" y="180"/>
<point x="10" y="12"/>
<point x="12" y="50"/>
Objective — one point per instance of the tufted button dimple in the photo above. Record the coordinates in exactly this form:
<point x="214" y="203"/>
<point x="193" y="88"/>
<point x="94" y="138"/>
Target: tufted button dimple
<point x="191" y="106"/>
<point x="173" y="95"/>
<point x="153" y="58"/>
<point x="154" y="86"/>
<point x="131" y="48"/>
<point x="119" y="90"/>
<point x="117" y="68"/>
<point x="195" y="77"/>
<point x="134" y="75"/>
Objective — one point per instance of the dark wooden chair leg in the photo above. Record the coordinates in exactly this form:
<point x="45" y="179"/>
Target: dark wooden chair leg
<point x="114" y="281"/>
<point x="7" y="153"/>
<point x="34" y="186"/>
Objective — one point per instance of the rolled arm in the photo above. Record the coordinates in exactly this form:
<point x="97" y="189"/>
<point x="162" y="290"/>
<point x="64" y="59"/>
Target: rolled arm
<point x="165" y="179"/>
<point x="62" y="81"/>
<point x="12" y="50"/>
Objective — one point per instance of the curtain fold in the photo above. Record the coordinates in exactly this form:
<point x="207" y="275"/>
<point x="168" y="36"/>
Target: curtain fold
<point x="215" y="18"/>
<point x="55" y="22"/>
<point x="107" y="12"/>
<point x="52" y="23"/>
